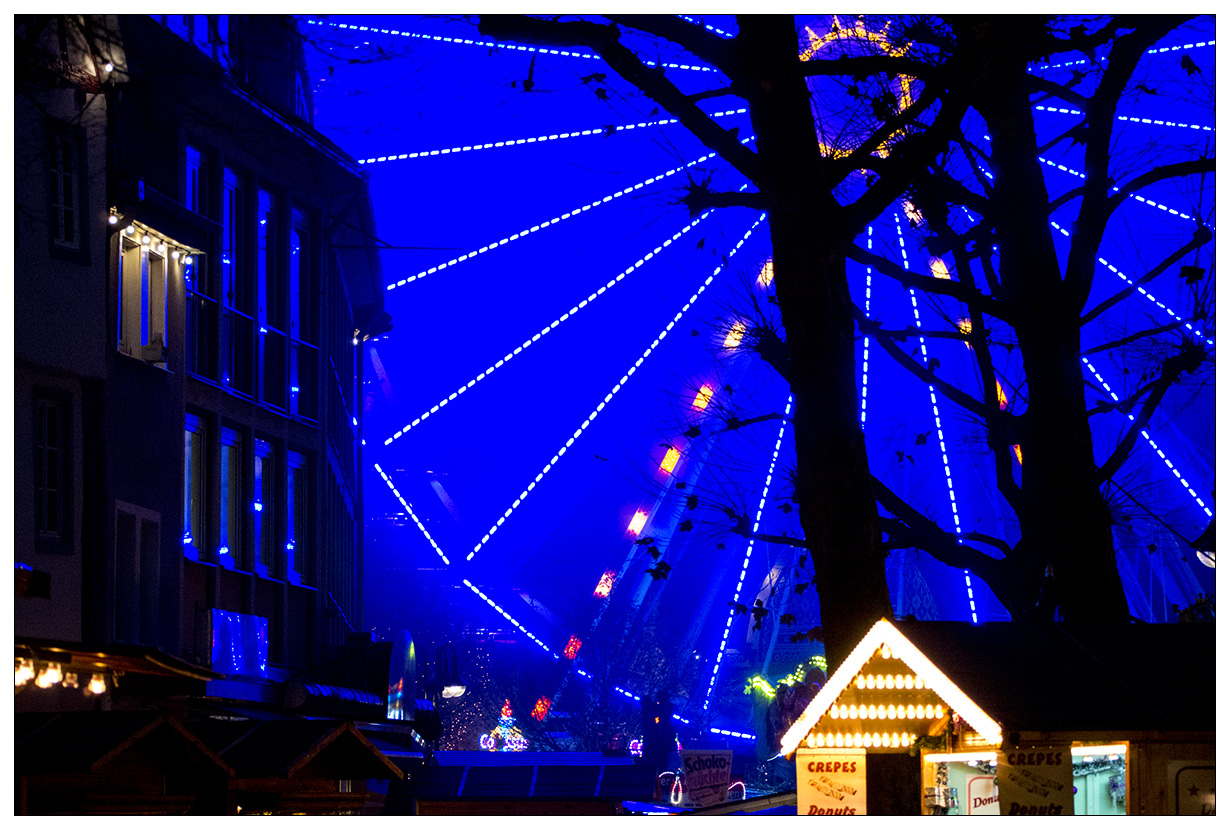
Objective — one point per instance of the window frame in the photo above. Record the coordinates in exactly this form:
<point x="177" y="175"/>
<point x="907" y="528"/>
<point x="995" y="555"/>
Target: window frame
<point x="230" y="497"/>
<point x="298" y="501"/>
<point x="142" y="313"/>
<point x="195" y="497"/>
<point x="59" y="246"/>
<point x="63" y="540"/>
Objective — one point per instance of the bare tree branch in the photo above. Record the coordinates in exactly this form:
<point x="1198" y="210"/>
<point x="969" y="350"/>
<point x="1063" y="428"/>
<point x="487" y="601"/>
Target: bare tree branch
<point x="652" y="81"/>
<point x="1202" y="236"/>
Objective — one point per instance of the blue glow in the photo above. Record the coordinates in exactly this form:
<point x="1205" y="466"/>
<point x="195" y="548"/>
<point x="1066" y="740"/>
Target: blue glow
<point x="554" y="220"/>
<point x="615" y="390"/>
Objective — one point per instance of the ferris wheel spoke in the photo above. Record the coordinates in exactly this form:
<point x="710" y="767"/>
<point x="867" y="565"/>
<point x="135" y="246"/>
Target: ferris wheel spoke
<point x="747" y="555"/>
<point x="550" y="465"/>
<point x="604" y="131"/>
<point x="490" y="246"/>
<point x="547" y="329"/>
<point x="1152" y="443"/>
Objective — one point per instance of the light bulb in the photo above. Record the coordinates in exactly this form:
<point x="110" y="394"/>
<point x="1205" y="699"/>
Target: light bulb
<point x="130" y="229"/>
<point x="108" y="67"/>
<point x="49" y="676"/>
<point x="145" y="239"/>
<point x="23" y="673"/>
<point x="174" y="254"/>
<point x="112" y="219"/>
<point x="97" y="686"/>
<point x="187" y="260"/>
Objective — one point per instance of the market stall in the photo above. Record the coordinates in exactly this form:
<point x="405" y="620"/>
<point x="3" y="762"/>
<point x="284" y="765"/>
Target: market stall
<point x="1016" y="719"/>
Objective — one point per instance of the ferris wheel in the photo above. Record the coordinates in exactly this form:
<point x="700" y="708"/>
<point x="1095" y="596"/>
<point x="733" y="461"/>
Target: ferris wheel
<point x="574" y="362"/>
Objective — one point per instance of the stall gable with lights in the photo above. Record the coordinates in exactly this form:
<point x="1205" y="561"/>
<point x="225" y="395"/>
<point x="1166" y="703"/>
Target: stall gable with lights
<point x="884" y="697"/>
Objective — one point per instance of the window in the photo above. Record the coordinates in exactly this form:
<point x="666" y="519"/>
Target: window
<point x="196" y="181"/>
<point x="142" y="331"/>
<point x="237" y="332"/>
<point x="301" y="315"/>
<point x="262" y="507"/>
<point x="66" y="201"/>
<point x="207" y="31"/>
<point x="271" y="302"/>
<point x="51" y="473"/>
<point x="296" y="517"/>
<point x="194" y="487"/>
<point x="230" y="531"/>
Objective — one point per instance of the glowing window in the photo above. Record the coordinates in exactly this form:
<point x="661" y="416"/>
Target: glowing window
<point x="574" y="646"/>
<point x="702" y="397"/>
<point x="766" y="275"/>
<point x="605" y="584"/>
<point x="735" y="335"/>
<point x="638" y="522"/>
<point x="964" y="325"/>
<point x="939" y="269"/>
<point x="669" y="460"/>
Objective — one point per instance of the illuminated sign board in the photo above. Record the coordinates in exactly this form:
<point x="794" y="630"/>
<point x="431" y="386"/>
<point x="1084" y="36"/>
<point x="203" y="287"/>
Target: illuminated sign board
<point x="1035" y="782"/>
<point x="831" y="782"/>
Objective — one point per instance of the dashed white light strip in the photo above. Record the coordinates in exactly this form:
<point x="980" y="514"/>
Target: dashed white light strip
<point x="512" y="47"/>
<point x="866" y="342"/>
<point x="696" y="22"/>
<point x="546" y="329"/>
<point x="1156" y="51"/>
<point x="410" y="512"/>
<point x="1146" y="294"/>
<point x="939" y="427"/>
<point x="547" y="222"/>
<point x="713" y="729"/>
<point x="1135" y="196"/>
<point x="1144" y="434"/>
<point x="603" y="131"/>
<point x="610" y="395"/>
<point x="1133" y="119"/>
<point x="747" y="556"/>
<point x="509" y="617"/>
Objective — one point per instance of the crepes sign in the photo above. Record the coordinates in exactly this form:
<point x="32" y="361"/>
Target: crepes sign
<point x="1035" y="781"/>
<point x="831" y="782"/>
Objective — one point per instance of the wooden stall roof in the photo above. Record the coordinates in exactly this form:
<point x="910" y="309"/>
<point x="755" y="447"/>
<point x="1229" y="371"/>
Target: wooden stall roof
<point x="1049" y="677"/>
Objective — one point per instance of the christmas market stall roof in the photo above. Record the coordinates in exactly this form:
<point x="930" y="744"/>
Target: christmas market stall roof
<point x="1003" y="678"/>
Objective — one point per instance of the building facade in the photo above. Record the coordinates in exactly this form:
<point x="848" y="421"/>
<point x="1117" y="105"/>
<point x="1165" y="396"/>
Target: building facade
<point x="195" y="272"/>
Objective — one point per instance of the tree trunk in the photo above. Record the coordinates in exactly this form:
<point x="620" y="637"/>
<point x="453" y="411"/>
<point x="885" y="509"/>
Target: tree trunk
<point x="837" y="504"/>
<point x="1064" y="519"/>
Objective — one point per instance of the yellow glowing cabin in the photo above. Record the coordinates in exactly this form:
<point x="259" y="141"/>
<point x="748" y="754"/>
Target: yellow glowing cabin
<point x="638" y="522"/>
<point x="766" y="275"/>
<point x="883" y="697"/>
<point x="669" y="460"/>
<point x="735" y="336"/>
<point x="702" y="397"/>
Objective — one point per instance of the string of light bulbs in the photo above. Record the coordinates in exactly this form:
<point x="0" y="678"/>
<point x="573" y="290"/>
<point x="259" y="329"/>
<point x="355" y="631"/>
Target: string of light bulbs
<point x="610" y="395"/>
<point x="696" y="22"/>
<point x="747" y="555"/>
<point x="602" y="131"/>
